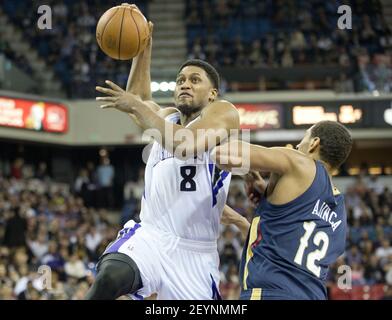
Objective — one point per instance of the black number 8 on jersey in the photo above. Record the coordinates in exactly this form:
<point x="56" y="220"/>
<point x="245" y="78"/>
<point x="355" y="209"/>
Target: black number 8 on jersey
<point x="187" y="183"/>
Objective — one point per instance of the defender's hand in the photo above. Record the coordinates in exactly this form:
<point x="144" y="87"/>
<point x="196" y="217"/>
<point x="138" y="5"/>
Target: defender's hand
<point x="230" y="216"/>
<point x="255" y="186"/>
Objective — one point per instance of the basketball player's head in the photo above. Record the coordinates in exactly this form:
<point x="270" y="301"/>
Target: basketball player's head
<point x="197" y="85"/>
<point x="328" y="141"/>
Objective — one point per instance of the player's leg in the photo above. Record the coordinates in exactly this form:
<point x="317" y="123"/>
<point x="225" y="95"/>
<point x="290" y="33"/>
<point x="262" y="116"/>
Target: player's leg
<point x="117" y="275"/>
<point x="129" y="265"/>
<point x="190" y="275"/>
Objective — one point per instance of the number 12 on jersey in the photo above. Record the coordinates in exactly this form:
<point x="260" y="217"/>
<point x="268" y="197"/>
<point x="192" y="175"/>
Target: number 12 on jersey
<point x="315" y="255"/>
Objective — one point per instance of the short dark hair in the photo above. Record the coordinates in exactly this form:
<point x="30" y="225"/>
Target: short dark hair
<point x="212" y="74"/>
<point x="335" y="142"/>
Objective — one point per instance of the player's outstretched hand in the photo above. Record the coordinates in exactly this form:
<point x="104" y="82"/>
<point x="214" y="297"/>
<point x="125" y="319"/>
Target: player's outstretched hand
<point x="230" y="216"/>
<point x="117" y="98"/>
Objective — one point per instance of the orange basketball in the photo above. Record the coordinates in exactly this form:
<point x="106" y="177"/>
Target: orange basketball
<point x="122" y="32"/>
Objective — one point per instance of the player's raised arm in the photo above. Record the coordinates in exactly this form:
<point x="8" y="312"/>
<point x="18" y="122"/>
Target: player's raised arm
<point x="139" y="80"/>
<point x="211" y="128"/>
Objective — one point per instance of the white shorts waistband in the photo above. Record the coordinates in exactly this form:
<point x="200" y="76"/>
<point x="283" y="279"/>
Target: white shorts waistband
<point x="198" y="246"/>
<point x="183" y="243"/>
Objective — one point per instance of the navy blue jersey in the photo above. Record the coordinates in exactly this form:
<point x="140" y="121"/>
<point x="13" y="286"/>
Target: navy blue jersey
<point x="290" y="246"/>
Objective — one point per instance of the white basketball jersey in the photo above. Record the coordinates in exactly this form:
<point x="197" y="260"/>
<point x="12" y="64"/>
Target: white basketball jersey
<point x="185" y="198"/>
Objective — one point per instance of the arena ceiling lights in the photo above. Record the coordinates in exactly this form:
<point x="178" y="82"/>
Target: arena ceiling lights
<point x="162" y="86"/>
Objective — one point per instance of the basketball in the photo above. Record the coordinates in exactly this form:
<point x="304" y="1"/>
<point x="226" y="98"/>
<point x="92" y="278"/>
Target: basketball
<point x="122" y="32"/>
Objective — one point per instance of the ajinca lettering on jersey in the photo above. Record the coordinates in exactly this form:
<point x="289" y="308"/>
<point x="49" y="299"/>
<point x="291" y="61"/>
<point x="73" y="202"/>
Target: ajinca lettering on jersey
<point x="325" y="213"/>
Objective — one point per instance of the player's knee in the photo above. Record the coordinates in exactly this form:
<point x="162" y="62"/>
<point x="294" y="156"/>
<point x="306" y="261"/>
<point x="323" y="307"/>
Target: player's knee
<point x="118" y="276"/>
<point x="106" y="278"/>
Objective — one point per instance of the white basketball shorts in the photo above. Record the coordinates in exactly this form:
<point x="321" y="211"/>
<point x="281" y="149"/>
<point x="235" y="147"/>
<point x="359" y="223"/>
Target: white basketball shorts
<point x="172" y="267"/>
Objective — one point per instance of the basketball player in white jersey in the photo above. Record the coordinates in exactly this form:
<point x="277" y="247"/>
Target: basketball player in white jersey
<point x="173" y="250"/>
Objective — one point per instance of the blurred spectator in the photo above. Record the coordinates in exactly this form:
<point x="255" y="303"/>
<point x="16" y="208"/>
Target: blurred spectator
<point x="297" y="41"/>
<point x="373" y="271"/>
<point x="375" y="185"/>
<point x="388" y="270"/>
<point x="354" y="256"/>
<point x="17" y="168"/>
<point x="357" y="274"/>
<point x="53" y="258"/>
<point x="384" y="251"/>
<point x="93" y="239"/>
<point x="15" y="229"/>
<point x="81" y="186"/>
<point x="75" y="267"/>
<point x="39" y="247"/>
<point x="42" y="171"/>
<point x="105" y="176"/>
<point x="344" y="84"/>
<point x="388" y="293"/>
<point x="287" y="58"/>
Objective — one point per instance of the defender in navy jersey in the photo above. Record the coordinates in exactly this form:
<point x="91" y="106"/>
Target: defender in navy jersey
<point x="299" y="227"/>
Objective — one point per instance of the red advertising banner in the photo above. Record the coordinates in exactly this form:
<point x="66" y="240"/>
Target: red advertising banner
<point x="33" y="115"/>
<point x="256" y="116"/>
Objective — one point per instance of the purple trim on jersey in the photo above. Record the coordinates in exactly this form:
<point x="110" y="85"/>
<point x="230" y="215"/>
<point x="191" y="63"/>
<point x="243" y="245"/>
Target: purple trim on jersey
<point x="125" y="235"/>
<point x="218" y="186"/>
<point x="215" y="292"/>
<point x="211" y="169"/>
<point x="138" y="296"/>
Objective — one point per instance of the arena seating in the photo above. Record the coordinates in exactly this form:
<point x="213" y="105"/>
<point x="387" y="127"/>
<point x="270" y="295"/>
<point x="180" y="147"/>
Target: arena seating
<point x="245" y="34"/>
<point x="56" y="227"/>
<point x="274" y="34"/>
<point x="70" y="47"/>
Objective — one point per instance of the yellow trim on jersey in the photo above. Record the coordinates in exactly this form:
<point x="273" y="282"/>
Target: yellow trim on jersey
<point x="256" y="294"/>
<point x="249" y="252"/>
<point x="335" y="191"/>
